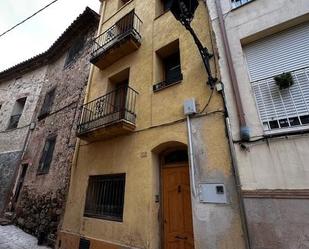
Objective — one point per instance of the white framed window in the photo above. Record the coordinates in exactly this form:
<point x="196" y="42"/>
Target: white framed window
<point x="283" y="52"/>
<point x="284" y="108"/>
<point x="237" y="3"/>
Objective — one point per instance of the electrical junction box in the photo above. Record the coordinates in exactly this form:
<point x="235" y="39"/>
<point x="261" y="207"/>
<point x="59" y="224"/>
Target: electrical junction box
<point x="189" y="106"/>
<point x="32" y="126"/>
<point x="212" y="193"/>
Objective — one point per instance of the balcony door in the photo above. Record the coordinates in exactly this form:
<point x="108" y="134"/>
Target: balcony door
<point x="120" y="100"/>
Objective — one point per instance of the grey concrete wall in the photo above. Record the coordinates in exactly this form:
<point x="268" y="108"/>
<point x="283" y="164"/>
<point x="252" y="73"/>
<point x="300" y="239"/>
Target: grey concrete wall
<point x="215" y="225"/>
<point x="278" y="223"/>
<point x="8" y="164"/>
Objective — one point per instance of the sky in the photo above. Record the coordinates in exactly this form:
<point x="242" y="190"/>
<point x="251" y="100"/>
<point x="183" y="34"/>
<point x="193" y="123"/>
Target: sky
<point x="37" y="34"/>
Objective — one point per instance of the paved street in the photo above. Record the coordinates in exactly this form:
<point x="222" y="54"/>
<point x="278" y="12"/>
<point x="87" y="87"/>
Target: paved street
<point x="12" y="237"/>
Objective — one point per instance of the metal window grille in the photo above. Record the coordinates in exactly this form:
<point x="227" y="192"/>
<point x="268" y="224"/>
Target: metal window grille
<point x="283" y="108"/>
<point x="237" y="3"/>
<point x="47" y="155"/>
<point x="105" y="197"/>
<point x="47" y="105"/>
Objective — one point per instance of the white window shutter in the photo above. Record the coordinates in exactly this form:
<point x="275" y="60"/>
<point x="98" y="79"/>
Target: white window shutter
<point x="287" y="51"/>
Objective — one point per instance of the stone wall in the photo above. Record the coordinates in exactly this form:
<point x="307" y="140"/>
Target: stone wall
<point x="8" y="164"/>
<point x="40" y="213"/>
<point x="41" y="203"/>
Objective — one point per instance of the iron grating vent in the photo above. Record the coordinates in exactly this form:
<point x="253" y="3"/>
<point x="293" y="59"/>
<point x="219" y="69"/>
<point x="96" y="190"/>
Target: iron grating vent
<point x="84" y="244"/>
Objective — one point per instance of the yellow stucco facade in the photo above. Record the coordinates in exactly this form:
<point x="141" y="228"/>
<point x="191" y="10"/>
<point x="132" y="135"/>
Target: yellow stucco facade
<point x="160" y="125"/>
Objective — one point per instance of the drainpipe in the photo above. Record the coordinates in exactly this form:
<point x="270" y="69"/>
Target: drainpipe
<point x="244" y="129"/>
<point x="191" y="156"/>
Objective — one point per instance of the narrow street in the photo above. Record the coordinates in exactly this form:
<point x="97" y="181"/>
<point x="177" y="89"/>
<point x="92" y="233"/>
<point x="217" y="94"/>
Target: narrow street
<point x="12" y="237"/>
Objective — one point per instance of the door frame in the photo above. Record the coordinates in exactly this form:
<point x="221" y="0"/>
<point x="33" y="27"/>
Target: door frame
<point x="171" y="165"/>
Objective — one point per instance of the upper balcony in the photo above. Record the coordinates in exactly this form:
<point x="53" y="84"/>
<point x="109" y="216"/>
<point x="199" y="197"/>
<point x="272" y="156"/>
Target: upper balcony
<point x="118" y="41"/>
<point x="109" y="115"/>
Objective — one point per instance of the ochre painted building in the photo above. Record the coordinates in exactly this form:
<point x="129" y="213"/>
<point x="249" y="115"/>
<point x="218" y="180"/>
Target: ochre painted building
<point x="130" y="182"/>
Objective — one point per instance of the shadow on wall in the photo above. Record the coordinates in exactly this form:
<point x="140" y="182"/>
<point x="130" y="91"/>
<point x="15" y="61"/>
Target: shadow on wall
<point x="8" y="165"/>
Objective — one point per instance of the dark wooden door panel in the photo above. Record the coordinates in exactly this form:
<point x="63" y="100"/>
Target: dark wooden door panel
<point x="177" y="210"/>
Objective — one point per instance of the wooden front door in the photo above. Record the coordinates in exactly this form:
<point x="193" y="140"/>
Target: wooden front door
<point x="177" y="210"/>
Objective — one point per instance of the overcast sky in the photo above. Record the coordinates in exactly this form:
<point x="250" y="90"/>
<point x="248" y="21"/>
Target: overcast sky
<point x="37" y="34"/>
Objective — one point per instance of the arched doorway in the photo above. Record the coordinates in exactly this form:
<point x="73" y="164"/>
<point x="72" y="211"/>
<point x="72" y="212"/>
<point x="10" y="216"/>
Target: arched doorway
<point x="176" y="200"/>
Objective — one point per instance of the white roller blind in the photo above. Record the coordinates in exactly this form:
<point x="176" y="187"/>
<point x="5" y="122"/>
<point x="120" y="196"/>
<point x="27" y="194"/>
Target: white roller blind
<point x="283" y="52"/>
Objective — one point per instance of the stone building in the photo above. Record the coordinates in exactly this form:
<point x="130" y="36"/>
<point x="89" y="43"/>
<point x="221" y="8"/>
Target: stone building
<point x="19" y="93"/>
<point x="58" y="78"/>
<point x="130" y="182"/>
<point x="266" y="83"/>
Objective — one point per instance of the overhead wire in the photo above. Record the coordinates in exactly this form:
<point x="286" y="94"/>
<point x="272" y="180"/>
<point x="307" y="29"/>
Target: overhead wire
<point x="37" y="12"/>
<point x="215" y="64"/>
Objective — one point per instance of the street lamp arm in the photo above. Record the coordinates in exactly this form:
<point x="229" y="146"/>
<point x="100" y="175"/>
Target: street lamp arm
<point x="203" y="51"/>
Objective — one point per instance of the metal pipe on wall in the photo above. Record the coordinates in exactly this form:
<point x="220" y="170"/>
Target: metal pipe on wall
<point x="244" y="129"/>
<point x="191" y="156"/>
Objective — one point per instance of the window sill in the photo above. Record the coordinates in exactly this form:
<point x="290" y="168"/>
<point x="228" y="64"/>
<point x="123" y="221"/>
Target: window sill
<point x="40" y="173"/>
<point x="287" y="131"/>
<point x="163" y="85"/>
<point x="242" y="5"/>
<point x="103" y="217"/>
<point x="11" y="129"/>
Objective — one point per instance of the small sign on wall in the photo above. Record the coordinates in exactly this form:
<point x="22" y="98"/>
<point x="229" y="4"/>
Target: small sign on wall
<point x="212" y="193"/>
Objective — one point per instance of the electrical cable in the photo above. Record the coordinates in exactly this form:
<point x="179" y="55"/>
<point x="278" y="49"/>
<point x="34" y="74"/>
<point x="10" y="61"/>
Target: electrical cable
<point x="10" y="29"/>
<point x="208" y="101"/>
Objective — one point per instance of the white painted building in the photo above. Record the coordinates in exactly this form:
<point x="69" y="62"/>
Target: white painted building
<point x="266" y="39"/>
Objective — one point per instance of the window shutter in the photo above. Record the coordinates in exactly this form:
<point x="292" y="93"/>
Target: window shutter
<point x="47" y="155"/>
<point x="282" y="52"/>
<point x="287" y="51"/>
<point x="47" y="105"/>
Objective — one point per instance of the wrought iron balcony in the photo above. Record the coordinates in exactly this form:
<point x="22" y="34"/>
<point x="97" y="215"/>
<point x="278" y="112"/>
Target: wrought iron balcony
<point x="109" y="115"/>
<point x="118" y="41"/>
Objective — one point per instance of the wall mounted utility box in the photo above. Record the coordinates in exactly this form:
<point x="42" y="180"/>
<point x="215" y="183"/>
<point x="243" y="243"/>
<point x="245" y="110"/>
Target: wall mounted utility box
<point x="189" y="106"/>
<point x="212" y="193"/>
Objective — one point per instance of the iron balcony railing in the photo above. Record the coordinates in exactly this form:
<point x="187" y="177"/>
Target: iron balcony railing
<point x="174" y="76"/>
<point x="130" y="24"/>
<point x="113" y="107"/>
